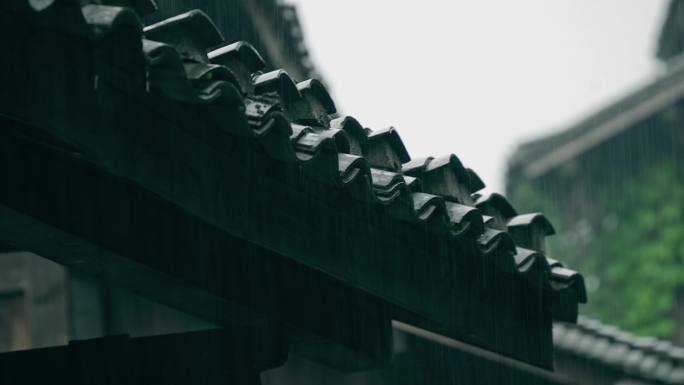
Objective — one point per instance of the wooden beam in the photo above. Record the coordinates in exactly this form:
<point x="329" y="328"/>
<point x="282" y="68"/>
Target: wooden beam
<point x="68" y="210"/>
<point x="206" y="357"/>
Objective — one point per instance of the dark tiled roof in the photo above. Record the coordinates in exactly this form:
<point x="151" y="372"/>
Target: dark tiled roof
<point x="185" y="59"/>
<point x="270" y="25"/>
<point x="645" y="358"/>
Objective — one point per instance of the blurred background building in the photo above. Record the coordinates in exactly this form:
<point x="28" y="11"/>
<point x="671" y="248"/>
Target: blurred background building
<point x="614" y="181"/>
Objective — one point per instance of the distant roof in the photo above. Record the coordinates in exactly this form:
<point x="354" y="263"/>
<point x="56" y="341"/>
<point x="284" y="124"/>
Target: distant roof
<point x="540" y="156"/>
<point x="645" y="358"/>
<point x="671" y="39"/>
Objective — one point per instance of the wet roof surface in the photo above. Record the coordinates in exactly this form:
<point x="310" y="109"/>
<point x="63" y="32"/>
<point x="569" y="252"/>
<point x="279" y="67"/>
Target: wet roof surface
<point x="290" y="148"/>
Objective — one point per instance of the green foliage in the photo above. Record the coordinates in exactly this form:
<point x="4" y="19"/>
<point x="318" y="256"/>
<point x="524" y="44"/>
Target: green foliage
<point x="640" y="260"/>
<point x="635" y="252"/>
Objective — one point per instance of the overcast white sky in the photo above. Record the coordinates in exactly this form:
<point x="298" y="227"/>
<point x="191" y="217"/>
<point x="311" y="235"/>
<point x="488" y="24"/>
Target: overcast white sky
<point x="476" y="78"/>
